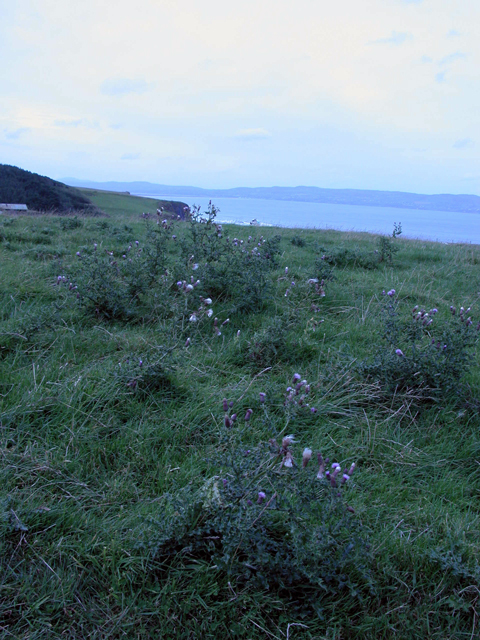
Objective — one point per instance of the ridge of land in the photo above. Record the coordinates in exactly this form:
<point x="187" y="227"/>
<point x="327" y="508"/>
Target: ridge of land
<point x="360" y="197"/>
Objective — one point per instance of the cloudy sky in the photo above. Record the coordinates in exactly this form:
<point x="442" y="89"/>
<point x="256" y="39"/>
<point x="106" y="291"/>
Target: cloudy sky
<point x="373" y="94"/>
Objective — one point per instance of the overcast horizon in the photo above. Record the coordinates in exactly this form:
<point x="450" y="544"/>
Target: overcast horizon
<point x="363" y="94"/>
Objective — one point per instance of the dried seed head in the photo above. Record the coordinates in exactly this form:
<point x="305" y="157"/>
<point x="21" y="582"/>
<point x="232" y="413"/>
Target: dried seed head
<point x="307" y="454"/>
<point x="288" y="460"/>
<point x="287" y="441"/>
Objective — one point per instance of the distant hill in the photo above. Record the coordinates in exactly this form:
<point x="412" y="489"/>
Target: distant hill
<point x="397" y="199"/>
<point x="39" y="192"/>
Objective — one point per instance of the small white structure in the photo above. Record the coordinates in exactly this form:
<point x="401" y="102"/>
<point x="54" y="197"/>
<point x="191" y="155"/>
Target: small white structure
<point x="13" y="207"/>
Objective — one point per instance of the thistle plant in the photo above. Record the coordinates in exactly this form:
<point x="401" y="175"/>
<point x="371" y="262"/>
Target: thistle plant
<point x="420" y="353"/>
<point x="269" y="521"/>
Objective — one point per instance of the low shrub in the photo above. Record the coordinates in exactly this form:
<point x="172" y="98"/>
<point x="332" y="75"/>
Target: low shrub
<point x="270" y="523"/>
<point x="422" y="355"/>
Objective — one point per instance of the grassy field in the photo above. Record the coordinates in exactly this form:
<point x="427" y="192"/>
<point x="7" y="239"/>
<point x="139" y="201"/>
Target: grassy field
<point x="133" y="505"/>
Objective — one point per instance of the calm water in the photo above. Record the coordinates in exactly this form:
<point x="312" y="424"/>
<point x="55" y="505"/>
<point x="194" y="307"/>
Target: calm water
<point x="444" y="226"/>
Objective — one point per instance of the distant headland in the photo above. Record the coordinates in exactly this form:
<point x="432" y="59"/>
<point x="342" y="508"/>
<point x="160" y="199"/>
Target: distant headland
<point x="396" y="199"/>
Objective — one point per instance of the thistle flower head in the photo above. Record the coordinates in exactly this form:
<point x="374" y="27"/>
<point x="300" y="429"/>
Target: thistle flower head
<point x="262" y="397"/>
<point x="399" y="352"/>
<point x="288" y="460"/>
<point x="287" y="441"/>
<point x="307" y="454"/>
<point x="261" y="497"/>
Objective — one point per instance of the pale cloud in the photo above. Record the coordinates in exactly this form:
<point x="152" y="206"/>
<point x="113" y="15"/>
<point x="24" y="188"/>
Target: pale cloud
<point x="253" y="134"/>
<point x="130" y="156"/>
<point x="464" y="143"/>
<point x="452" y="57"/>
<point x="395" y="38"/>
<point x="79" y="122"/>
<point x="16" y="133"/>
<point x="122" y="86"/>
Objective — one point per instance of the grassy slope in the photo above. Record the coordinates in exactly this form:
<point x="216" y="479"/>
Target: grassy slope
<point x="84" y="461"/>
<point x="118" y="204"/>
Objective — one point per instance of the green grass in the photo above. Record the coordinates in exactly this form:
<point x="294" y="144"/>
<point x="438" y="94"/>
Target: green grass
<point x="85" y="459"/>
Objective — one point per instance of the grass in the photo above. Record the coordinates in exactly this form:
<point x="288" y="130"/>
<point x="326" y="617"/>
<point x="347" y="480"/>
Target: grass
<point x="87" y="460"/>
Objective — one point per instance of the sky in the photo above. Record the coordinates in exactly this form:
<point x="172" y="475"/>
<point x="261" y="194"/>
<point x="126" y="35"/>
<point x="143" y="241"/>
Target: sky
<point x="363" y="94"/>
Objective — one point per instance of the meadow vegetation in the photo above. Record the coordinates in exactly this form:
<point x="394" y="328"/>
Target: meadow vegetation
<point x="215" y="431"/>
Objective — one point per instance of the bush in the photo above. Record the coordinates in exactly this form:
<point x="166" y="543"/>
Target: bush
<point x="231" y="269"/>
<point x="355" y="257"/>
<point x="116" y="286"/>
<point x="419" y="356"/>
<point x="268" y="523"/>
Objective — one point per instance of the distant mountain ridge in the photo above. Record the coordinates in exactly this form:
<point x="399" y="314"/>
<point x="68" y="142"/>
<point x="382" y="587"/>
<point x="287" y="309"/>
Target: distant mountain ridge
<point x="396" y="199"/>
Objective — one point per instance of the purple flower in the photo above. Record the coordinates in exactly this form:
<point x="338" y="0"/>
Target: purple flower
<point x="225" y="404"/>
<point x="313" y="410"/>
<point x="296" y="377"/>
<point x="261" y="497"/>
<point x="399" y="352"/>
<point x="262" y="397"/>
<point x="248" y="414"/>
<point x="391" y="293"/>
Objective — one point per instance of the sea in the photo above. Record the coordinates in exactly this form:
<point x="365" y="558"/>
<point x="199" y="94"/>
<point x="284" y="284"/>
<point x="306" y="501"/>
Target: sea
<point x="441" y="226"/>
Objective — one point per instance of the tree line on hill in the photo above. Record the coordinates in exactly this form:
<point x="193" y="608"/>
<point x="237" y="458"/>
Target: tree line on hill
<point x="40" y="193"/>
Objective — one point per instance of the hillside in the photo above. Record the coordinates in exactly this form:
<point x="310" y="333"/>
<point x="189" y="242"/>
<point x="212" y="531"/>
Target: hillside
<point x="39" y="192"/>
<point x="151" y="377"/>
<point x="364" y="197"/>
